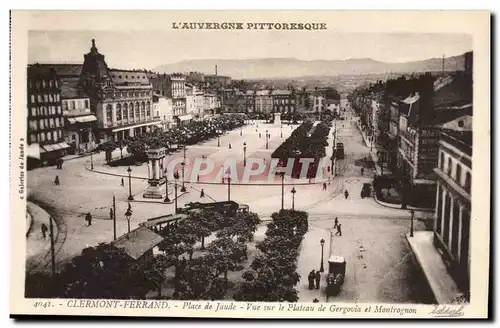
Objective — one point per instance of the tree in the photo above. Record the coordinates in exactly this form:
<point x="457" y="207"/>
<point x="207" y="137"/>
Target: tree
<point x="203" y="223"/>
<point x="225" y="254"/>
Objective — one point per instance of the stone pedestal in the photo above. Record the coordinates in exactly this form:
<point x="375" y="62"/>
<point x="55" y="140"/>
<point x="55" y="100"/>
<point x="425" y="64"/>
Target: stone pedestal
<point x="155" y="174"/>
<point x="277" y="118"/>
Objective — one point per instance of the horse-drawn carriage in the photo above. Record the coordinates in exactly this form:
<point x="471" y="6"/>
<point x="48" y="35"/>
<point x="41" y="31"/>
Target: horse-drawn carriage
<point x="336" y="275"/>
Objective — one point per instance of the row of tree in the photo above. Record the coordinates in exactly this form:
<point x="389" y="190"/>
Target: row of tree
<point x="106" y="271"/>
<point x="273" y="275"/>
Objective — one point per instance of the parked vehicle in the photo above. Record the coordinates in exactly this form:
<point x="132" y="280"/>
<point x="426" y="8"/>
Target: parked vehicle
<point x="336" y="275"/>
<point x="367" y="190"/>
<point x="339" y="151"/>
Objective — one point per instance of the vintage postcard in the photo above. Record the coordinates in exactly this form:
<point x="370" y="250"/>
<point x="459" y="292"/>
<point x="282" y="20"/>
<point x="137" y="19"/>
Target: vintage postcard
<point x="250" y="164"/>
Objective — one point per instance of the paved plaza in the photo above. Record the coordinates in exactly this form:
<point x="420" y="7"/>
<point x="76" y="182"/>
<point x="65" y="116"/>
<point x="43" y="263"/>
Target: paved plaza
<point x="379" y="267"/>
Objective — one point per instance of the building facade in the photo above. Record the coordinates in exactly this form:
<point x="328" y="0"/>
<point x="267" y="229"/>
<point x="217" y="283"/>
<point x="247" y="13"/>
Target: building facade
<point x="173" y="86"/>
<point x="264" y="101"/>
<point x="122" y="100"/>
<point x="45" y="135"/>
<point x="453" y="204"/>
<point x="284" y="101"/>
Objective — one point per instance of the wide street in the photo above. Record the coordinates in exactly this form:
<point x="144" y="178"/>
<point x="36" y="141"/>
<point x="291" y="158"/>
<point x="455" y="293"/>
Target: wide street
<point x="379" y="265"/>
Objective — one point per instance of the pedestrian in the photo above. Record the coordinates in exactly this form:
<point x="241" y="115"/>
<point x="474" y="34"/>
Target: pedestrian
<point x="88" y="218"/>
<point x="260" y="135"/>
<point x="310" y="278"/>
<point x="362" y="171"/>
<point x="44" y="230"/>
<point x="229" y="145"/>
<point x="315" y="300"/>
<point x="123" y="183"/>
<point x="61" y="161"/>
<point x="198" y="178"/>
<point x="317" y="277"/>
<point x="346" y="194"/>
<point x="336" y="223"/>
<point x="129" y="208"/>
<point x="339" y="230"/>
<point x="202" y="193"/>
<point x="56" y="180"/>
<point x="111" y="214"/>
<point x="324" y="185"/>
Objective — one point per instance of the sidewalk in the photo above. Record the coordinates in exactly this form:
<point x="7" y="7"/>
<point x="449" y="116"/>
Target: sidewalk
<point x="373" y="154"/>
<point x="36" y="246"/>
<point x="442" y="285"/>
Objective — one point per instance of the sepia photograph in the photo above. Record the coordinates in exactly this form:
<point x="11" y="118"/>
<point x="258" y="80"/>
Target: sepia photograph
<point x="219" y="161"/>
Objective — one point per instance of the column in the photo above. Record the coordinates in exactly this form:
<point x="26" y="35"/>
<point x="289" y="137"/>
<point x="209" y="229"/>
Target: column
<point x="153" y="169"/>
<point x="452" y="205"/>
<point x="443" y="214"/>
<point x="131" y="132"/>
<point x="459" y="248"/>
<point x="437" y="212"/>
<point x="113" y="113"/>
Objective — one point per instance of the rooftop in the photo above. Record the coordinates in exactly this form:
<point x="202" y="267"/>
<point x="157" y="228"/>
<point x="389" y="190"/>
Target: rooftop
<point x="282" y="92"/>
<point x="138" y="242"/>
<point x="66" y="70"/>
<point x="120" y="76"/>
<point x="70" y="89"/>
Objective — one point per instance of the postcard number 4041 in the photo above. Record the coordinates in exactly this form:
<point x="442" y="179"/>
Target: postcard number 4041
<point x="44" y="304"/>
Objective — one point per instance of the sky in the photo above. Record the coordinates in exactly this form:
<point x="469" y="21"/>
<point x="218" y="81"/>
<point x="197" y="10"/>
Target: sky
<point x="149" y="49"/>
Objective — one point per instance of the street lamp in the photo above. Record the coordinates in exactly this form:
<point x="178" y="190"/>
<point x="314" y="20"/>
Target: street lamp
<point x="322" y="242"/>
<point x="412" y="212"/>
<point x="281" y="130"/>
<point x="244" y="154"/>
<point x="293" y="197"/>
<point x="183" y="189"/>
<point x="166" y="200"/>
<point x="176" y="177"/>
<point x="128" y="214"/>
<point x="92" y="160"/>
<point x="267" y="140"/>
<point x="218" y="137"/>
<point x="130" y="197"/>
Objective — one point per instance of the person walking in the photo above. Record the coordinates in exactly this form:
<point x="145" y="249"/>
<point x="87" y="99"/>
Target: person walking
<point x="198" y="178"/>
<point x="61" y="161"/>
<point x="230" y="146"/>
<point x="56" y="180"/>
<point x="202" y="193"/>
<point x="310" y="278"/>
<point x="88" y="218"/>
<point x="336" y="222"/>
<point x="362" y="171"/>
<point x="123" y="183"/>
<point x="339" y="230"/>
<point x="317" y="277"/>
<point x="346" y="194"/>
<point x="44" y="230"/>
<point x="324" y="185"/>
<point x="111" y="214"/>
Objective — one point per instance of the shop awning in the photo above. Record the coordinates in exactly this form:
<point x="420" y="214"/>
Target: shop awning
<point x="82" y="119"/>
<point x="185" y="117"/>
<point x="34" y="151"/>
<point x="54" y="147"/>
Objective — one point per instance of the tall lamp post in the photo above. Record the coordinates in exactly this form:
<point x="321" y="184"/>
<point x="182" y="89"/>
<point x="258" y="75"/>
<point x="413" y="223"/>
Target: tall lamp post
<point x="176" y="177"/>
<point x="166" y="200"/>
<point x="130" y="197"/>
<point x="412" y="212"/>
<point x="128" y="214"/>
<point x="267" y="140"/>
<point x="244" y="154"/>
<point x="293" y="198"/>
<point x="322" y="242"/>
<point x="282" y="174"/>
<point x="183" y="189"/>
<point x="218" y="137"/>
<point x="281" y="130"/>
<point x="92" y="160"/>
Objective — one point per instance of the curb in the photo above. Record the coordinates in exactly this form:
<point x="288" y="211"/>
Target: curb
<point x="398" y="207"/>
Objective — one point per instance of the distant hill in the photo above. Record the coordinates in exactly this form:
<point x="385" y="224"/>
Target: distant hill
<point x="295" y="68"/>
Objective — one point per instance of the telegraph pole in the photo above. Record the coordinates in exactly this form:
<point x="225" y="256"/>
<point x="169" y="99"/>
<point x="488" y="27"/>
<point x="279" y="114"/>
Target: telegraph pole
<point x="52" y="250"/>
<point x="114" y="218"/>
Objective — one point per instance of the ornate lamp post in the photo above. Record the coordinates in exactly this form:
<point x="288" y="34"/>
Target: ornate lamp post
<point x="267" y="140"/>
<point x="166" y="200"/>
<point x="183" y="189"/>
<point x="176" y="177"/>
<point x="322" y="242"/>
<point x="412" y="212"/>
<point x="293" y="197"/>
<point x="244" y="154"/>
<point x="130" y="197"/>
<point x="128" y="214"/>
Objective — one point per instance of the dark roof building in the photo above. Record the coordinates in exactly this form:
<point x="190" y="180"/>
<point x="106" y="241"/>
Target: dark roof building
<point x="138" y="242"/>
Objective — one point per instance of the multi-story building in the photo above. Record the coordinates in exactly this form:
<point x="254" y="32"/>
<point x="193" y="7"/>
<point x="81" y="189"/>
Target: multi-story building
<point x="215" y="79"/>
<point x="284" y="101"/>
<point x="250" y="101"/>
<point x="80" y="122"/>
<point x="191" y="108"/>
<point x="199" y="104"/>
<point x="173" y="86"/>
<point x="121" y="99"/>
<point x="163" y="110"/>
<point x="263" y="101"/>
<point x="211" y="104"/>
<point x="453" y="202"/>
<point x="45" y="116"/>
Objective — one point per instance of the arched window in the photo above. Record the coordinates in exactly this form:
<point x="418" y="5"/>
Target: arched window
<point x="148" y="109"/>
<point x="87" y="104"/>
<point x="448" y="169"/>
<point x="458" y="174"/>
<point x="468" y="181"/>
<point x="143" y="109"/>
<point x="131" y="110"/>
<point x="461" y="123"/>
<point x="137" y="110"/>
<point x="442" y="162"/>
<point x="109" y="113"/>
<point x="118" y="112"/>
<point x="125" y="111"/>
<point x="73" y="106"/>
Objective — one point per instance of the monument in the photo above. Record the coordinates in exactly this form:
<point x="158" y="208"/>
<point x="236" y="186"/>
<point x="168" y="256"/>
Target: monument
<point x="155" y="173"/>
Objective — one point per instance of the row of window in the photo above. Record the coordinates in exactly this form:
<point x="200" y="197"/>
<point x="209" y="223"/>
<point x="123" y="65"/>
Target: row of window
<point x="43" y="83"/>
<point x="46" y="136"/>
<point x="75" y="104"/>
<point x="47" y="97"/>
<point x="128" y="94"/>
<point x="127" y="111"/>
<point x="45" y="111"/>
<point x="455" y="174"/>
<point x="48" y="123"/>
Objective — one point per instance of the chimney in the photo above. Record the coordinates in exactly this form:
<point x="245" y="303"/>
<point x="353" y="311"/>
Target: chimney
<point x="215" y="70"/>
